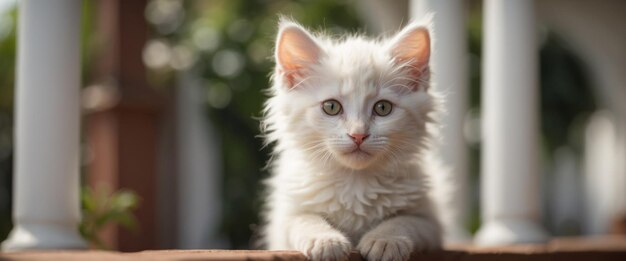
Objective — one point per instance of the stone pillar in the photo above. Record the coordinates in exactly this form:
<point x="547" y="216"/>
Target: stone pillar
<point x="46" y="184"/>
<point x="510" y="171"/>
<point x="449" y="64"/>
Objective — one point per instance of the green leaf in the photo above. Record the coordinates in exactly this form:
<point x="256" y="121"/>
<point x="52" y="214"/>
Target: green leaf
<point x="102" y="208"/>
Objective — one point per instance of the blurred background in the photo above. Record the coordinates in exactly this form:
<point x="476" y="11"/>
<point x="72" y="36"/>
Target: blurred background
<point x="172" y="91"/>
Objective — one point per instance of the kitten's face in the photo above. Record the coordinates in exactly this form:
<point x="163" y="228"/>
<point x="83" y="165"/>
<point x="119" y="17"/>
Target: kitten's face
<point x="356" y="120"/>
<point x="357" y="103"/>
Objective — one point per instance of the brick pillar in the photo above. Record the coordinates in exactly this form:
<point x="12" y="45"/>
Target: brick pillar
<point x="122" y="123"/>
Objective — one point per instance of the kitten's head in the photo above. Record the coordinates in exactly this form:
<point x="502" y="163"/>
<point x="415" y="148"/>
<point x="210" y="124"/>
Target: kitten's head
<point x="354" y="102"/>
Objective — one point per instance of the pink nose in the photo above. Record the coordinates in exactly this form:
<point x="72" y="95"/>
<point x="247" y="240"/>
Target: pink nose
<point x="358" y="138"/>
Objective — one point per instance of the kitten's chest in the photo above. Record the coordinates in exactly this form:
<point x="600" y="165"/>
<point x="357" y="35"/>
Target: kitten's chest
<point x="355" y="203"/>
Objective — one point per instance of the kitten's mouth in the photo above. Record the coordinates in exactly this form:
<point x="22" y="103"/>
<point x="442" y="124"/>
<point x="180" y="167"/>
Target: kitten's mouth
<point x="358" y="151"/>
<point x="356" y="158"/>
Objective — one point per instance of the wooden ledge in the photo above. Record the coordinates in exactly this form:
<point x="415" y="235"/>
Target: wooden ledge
<point x="566" y="249"/>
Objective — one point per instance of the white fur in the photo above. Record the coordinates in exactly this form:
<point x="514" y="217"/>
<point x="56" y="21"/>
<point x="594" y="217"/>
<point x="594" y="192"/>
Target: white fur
<point x="325" y="201"/>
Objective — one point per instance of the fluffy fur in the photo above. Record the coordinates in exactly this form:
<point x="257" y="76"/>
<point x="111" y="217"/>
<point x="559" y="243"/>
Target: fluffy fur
<point x="328" y="195"/>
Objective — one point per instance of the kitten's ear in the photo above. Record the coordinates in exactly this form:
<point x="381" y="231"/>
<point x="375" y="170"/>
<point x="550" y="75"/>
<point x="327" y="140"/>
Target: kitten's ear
<point x="411" y="48"/>
<point x="296" y="52"/>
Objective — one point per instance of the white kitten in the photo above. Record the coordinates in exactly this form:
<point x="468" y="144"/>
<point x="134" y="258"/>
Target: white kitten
<point x="349" y="118"/>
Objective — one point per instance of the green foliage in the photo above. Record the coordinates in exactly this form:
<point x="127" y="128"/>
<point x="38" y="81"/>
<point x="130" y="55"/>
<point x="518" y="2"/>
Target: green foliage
<point x="100" y="209"/>
<point x="566" y="94"/>
<point x="6" y="190"/>
<point x="8" y="20"/>
<point x="8" y="36"/>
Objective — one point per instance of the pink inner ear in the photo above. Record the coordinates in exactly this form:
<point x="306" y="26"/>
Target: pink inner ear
<point x="295" y="53"/>
<point x="413" y="49"/>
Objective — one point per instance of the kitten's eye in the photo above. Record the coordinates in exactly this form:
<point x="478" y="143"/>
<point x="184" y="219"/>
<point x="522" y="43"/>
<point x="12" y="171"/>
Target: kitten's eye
<point x="382" y="108"/>
<point x="331" y="107"/>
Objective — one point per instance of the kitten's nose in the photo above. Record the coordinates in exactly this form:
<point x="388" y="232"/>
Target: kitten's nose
<point x="358" y="138"/>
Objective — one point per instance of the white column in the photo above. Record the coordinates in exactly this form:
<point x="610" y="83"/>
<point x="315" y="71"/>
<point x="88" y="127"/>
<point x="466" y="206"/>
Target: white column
<point x="449" y="63"/>
<point x="619" y="179"/>
<point x="600" y="180"/>
<point x="46" y="181"/>
<point x="565" y="191"/>
<point x="510" y="173"/>
<point x="199" y="167"/>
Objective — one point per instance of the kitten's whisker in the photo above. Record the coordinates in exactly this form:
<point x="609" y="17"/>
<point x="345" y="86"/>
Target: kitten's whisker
<point x="303" y="81"/>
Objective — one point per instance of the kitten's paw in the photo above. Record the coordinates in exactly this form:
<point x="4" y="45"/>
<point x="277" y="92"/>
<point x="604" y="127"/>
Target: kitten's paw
<point x="385" y="248"/>
<point x="327" y="247"/>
